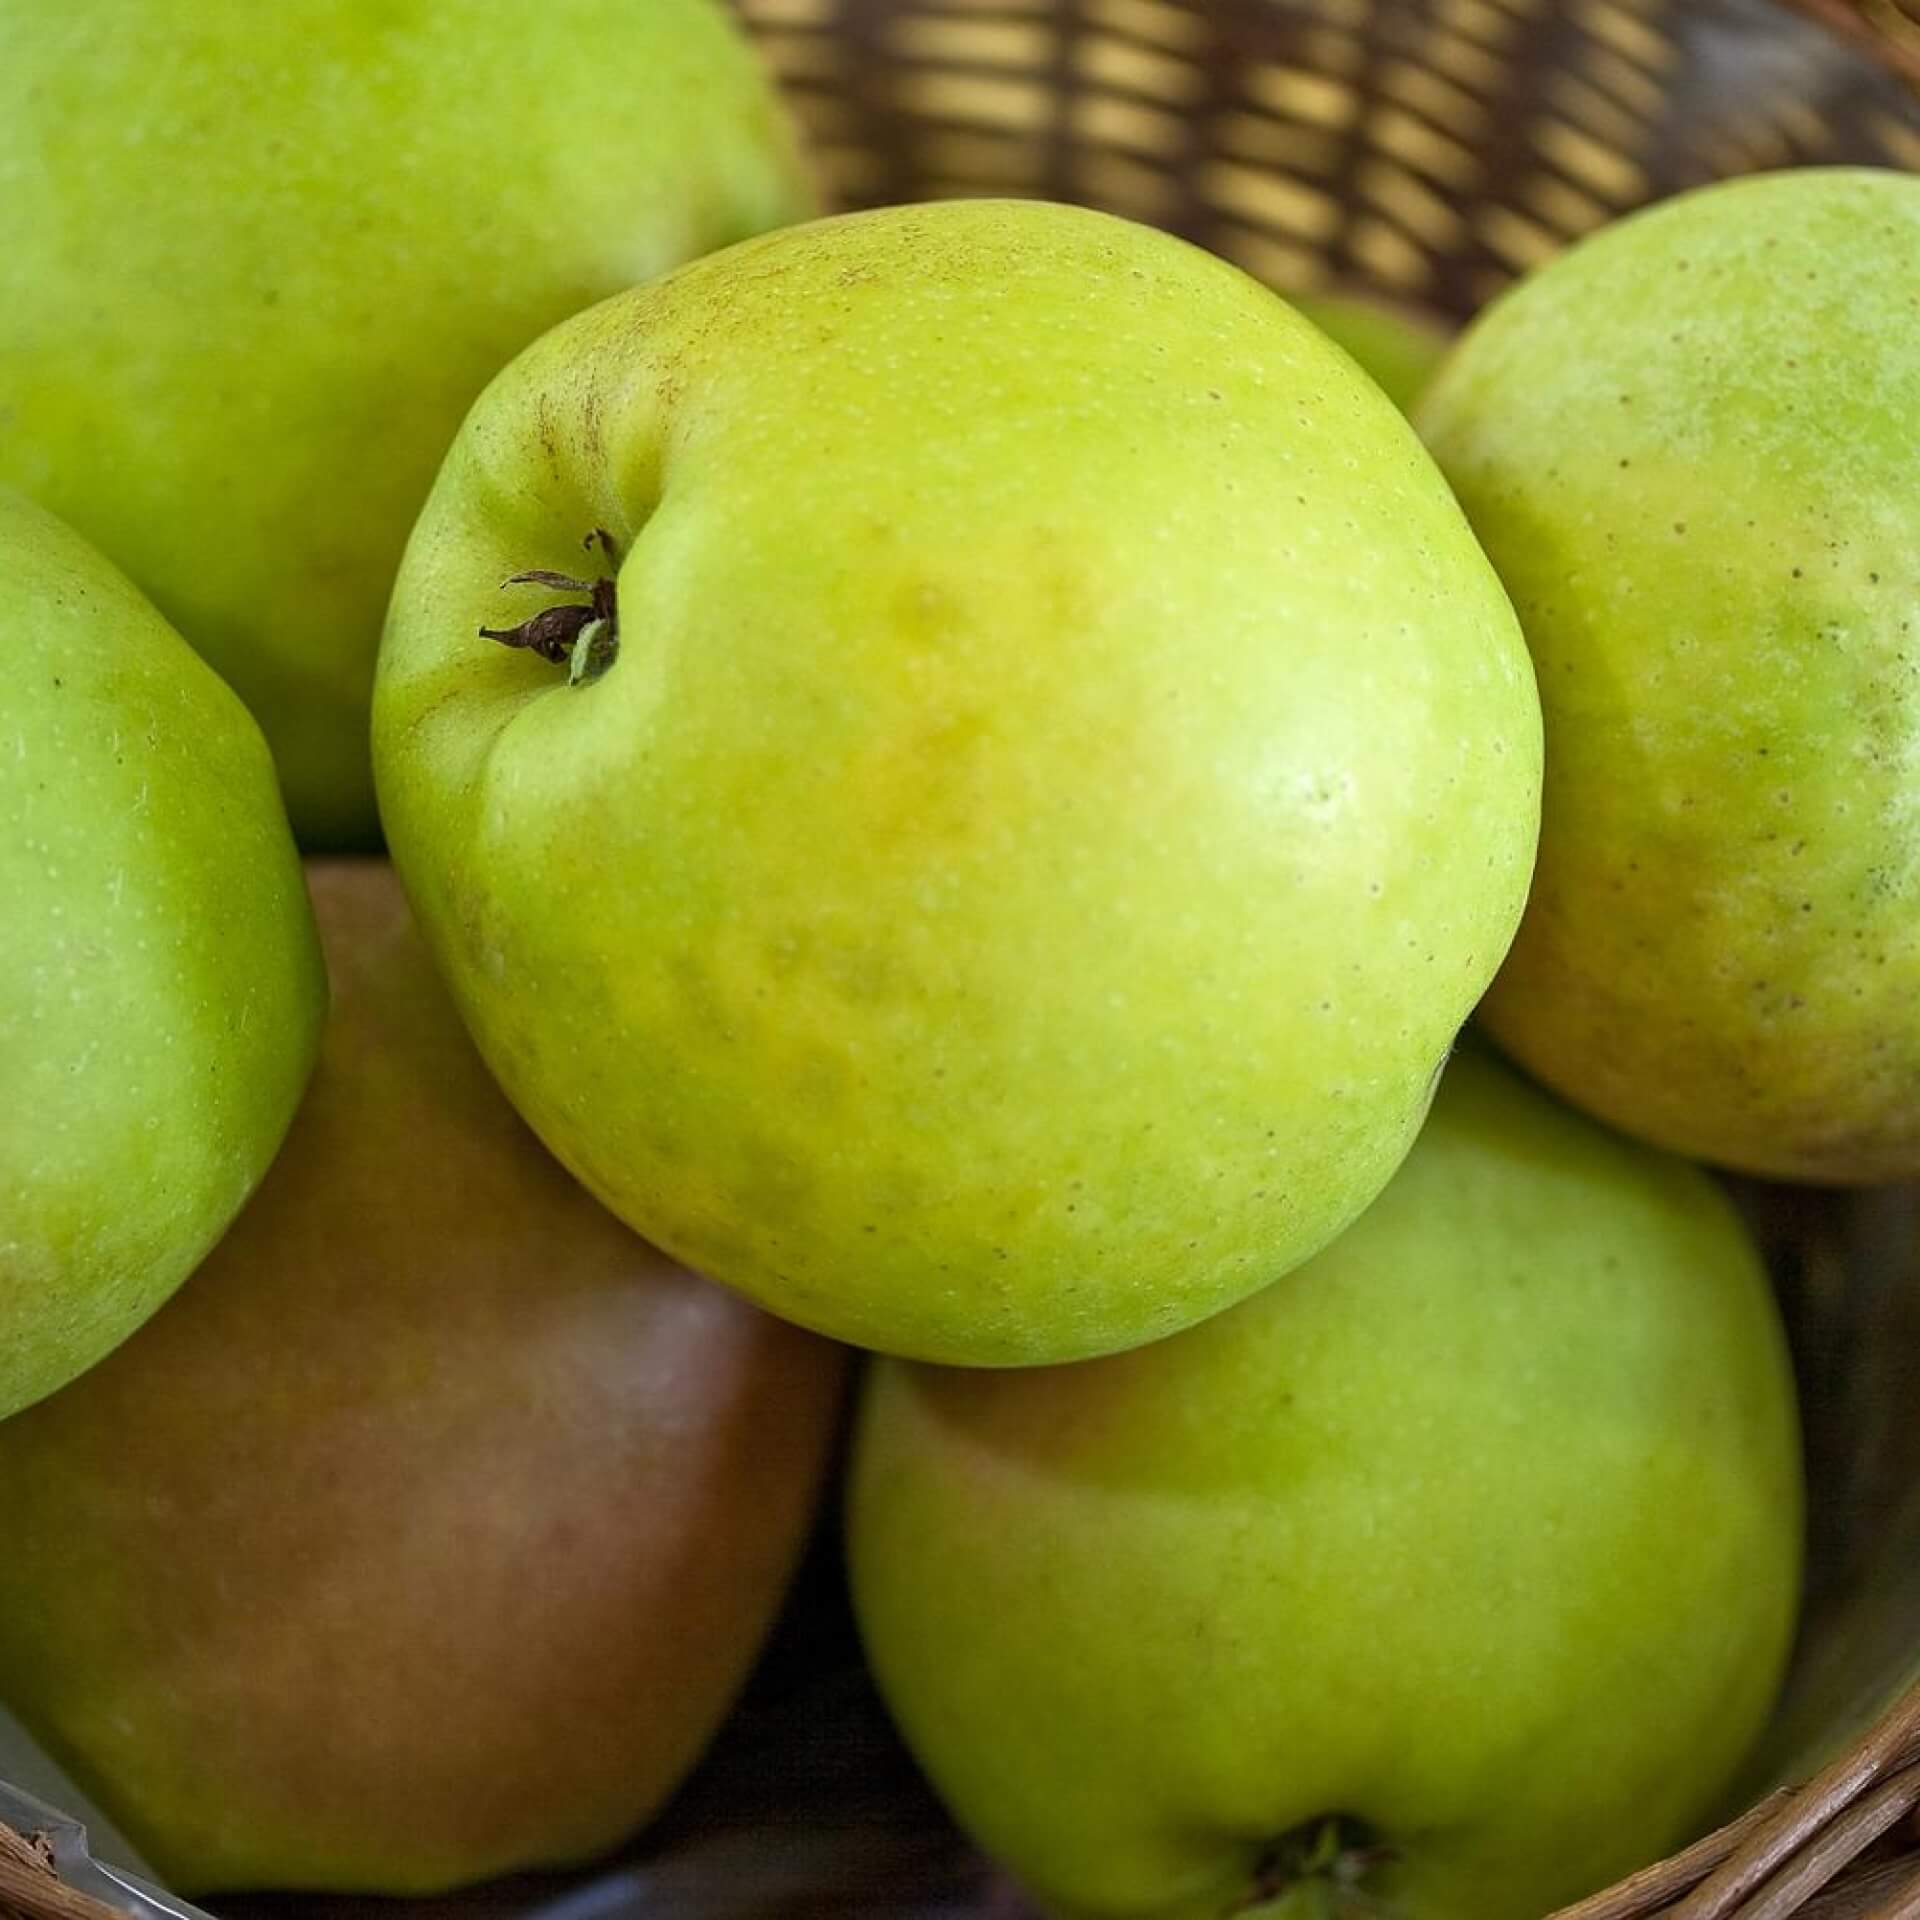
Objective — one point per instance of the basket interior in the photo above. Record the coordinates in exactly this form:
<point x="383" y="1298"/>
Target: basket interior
<point x="1427" y="151"/>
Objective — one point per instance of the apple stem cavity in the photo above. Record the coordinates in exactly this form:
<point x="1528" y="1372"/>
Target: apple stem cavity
<point x="1318" y="1871"/>
<point x="581" y="635"/>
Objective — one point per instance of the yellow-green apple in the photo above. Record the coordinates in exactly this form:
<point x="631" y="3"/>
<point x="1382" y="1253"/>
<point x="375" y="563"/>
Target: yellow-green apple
<point x="987" y="847"/>
<point x="161" y="989"/>
<point x="255" y="262"/>
<point x="1447" y="1580"/>
<point x="1397" y="347"/>
<point x="1688" y="446"/>
<point x="430" y="1529"/>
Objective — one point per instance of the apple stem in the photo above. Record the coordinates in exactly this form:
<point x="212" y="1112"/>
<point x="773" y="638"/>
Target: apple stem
<point x="583" y="636"/>
<point x="1318" y="1871"/>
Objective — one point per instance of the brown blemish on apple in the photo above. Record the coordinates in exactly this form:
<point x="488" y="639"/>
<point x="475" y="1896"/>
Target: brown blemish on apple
<point x="543" y="425"/>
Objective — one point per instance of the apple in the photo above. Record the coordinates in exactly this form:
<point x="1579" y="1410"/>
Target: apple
<point x="1397" y="347"/>
<point x="256" y="261"/>
<point x="1688" y="446"/>
<point x="161" y="990"/>
<point x="431" y="1528"/>
<point x="1449" y="1579"/>
<point x="987" y="847"/>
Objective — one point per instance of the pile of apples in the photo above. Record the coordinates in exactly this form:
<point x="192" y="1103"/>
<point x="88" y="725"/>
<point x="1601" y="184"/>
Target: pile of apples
<point x="958" y="770"/>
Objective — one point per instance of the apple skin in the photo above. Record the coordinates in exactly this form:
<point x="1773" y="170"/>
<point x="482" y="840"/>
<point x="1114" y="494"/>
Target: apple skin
<point x="1068" y="776"/>
<point x="1397" y="348"/>
<point x="161" y="989"/>
<point x="1482" y="1530"/>
<point x="1688" y="446"/>
<point x="255" y="263"/>
<point x="453" y="1514"/>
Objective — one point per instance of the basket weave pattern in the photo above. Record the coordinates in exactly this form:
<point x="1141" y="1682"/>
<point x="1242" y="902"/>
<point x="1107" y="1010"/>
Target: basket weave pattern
<point x="1429" y="151"/>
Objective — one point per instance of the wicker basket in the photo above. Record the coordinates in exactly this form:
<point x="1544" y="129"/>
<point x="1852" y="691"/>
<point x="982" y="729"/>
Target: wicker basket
<point x="1425" y="152"/>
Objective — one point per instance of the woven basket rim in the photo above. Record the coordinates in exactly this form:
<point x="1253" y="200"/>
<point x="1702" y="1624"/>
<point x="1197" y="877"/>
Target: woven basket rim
<point x="1779" y="1855"/>
<point x="31" y="1887"/>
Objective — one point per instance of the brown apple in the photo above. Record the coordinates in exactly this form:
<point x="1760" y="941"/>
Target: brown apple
<point x="430" y="1530"/>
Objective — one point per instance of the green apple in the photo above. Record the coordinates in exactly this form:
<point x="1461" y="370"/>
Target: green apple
<point x="1045" y="777"/>
<point x="161" y="990"/>
<point x="430" y="1530"/>
<point x="256" y="261"/>
<point x="1447" y="1581"/>
<point x="1397" y="347"/>
<point x="1689" y="447"/>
